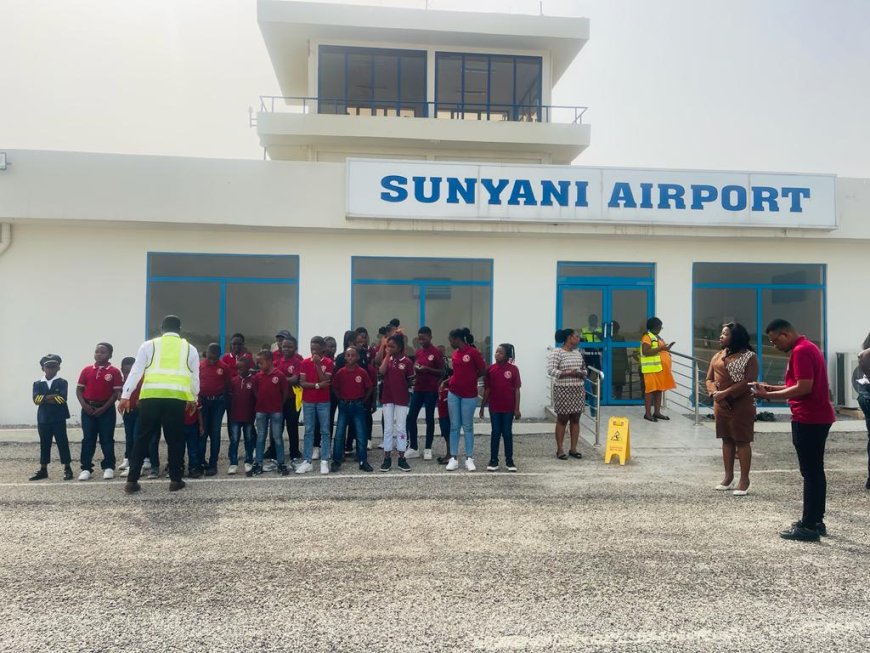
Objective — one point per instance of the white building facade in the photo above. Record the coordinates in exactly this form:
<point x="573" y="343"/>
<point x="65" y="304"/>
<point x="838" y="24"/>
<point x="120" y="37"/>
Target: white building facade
<point x="417" y="169"/>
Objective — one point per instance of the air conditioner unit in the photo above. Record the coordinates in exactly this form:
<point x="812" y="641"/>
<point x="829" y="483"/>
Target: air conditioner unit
<point x="848" y="374"/>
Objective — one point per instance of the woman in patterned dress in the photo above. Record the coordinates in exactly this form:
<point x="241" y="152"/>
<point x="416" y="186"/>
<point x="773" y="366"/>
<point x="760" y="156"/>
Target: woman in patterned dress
<point x="566" y="367"/>
<point x="728" y="378"/>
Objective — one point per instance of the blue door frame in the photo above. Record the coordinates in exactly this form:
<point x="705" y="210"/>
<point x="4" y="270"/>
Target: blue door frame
<point x="608" y="286"/>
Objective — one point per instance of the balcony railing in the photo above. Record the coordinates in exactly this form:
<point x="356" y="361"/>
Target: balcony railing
<point x="543" y="113"/>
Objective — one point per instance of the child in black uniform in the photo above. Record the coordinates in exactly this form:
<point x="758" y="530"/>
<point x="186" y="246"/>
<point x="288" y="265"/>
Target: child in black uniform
<point x="50" y="394"/>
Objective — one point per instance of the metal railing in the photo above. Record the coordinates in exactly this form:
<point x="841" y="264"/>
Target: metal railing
<point x="689" y="375"/>
<point x="539" y="113"/>
<point x="592" y="390"/>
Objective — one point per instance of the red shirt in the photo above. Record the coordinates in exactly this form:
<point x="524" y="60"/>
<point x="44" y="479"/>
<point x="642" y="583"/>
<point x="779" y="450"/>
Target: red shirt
<point x="351" y="384"/>
<point x="307" y="367"/>
<point x="289" y="366"/>
<point x="232" y="361"/>
<point x="270" y="389"/>
<point x="399" y="372"/>
<point x="242" y="399"/>
<point x="443" y="410"/>
<point x="806" y="362"/>
<point x="429" y="356"/>
<point x="214" y="379"/>
<point x="502" y="381"/>
<point x="100" y="383"/>
<point x="467" y="363"/>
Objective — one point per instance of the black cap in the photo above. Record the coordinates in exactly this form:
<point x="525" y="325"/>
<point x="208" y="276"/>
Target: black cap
<point x="283" y="334"/>
<point x="50" y="359"/>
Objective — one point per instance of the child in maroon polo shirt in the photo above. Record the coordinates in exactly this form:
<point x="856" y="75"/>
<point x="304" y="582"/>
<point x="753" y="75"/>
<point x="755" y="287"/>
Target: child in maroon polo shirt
<point x="241" y="416"/>
<point x="98" y="389"/>
<point x="501" y="392"/>
<point x="270" y="390"/>
<point x="353" y="387"/>
<point x="237" y="351"/>
<point x="315" y="377"/>
<point x="397" y="371"/>
<point x="214" y="386"/>
<point x="289" y="364"/>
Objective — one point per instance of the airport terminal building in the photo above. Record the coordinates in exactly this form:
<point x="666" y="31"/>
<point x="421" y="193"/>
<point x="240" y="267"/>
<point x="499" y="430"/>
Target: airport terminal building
<point x="416" y="167"/>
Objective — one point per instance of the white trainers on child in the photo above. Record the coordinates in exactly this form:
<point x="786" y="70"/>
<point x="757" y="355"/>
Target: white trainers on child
<point x="469" y="464"/>
<point x="108" y="474"/>
<point x="146" y="465"/>
<point x="452" y="465"/>
<point x="124" y="472"/>
<point x="316" y="455"/>
<point x="232" y="469"/>
<point x="324" y="467"/>
<point x="125" y="464"/>
<point x="304" y="468"/>
<point x="85" y="475"/>
<point x="427" y="454"/>
<point x="412" y="453"/>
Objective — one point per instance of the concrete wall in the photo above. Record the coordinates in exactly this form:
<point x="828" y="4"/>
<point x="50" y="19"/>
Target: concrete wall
<point x="65" y="286"/>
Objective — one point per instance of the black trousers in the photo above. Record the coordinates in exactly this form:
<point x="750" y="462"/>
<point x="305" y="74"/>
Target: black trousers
<point x="155" y="414"/>
<point x="809" y="443"/>
<point x="291" y="423"/>
<point x="864" y="402"/>
<point x="56" y="431"/>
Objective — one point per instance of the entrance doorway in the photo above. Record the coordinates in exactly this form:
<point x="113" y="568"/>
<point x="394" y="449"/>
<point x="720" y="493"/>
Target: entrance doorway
<point x="609" y="303"/>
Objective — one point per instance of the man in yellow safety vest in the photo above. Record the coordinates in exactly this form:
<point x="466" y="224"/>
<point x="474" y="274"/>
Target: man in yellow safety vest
<point x="168" y="367"/>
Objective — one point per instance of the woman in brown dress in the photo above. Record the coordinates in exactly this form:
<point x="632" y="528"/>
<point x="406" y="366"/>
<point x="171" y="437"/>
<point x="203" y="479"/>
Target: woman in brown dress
<point x="728" y="378"/>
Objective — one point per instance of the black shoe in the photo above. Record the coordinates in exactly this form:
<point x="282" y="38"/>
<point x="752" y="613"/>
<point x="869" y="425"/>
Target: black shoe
<point x="195" y="472"/>
<point x="387" y="464"/>
<point x="335" y="467"/>
<point x="211" y="471"/>
<point x="403" y="464"/>
<point x="132" y="487"/>
<point x="365" y="467"/>
<point x="67" y="473"/>
<point x="38" y="476"/>
<point x="283" y="470"/>
<point x="867" y="484"/>
<point x="820" y="527"/>
<point x="492" y="466"/>
<point x="800" y="534"/>
<point x="256" y="470"/>
<point x="443" y="460"/>
<point x="175" y="486"/>
<point x="510" y="466"/>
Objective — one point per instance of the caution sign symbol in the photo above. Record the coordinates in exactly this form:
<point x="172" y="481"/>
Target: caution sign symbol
<point x="618" y="440"/>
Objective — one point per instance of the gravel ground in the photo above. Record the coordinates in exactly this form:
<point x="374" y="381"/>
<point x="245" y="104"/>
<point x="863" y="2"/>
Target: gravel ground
<point x="563" y="556"/>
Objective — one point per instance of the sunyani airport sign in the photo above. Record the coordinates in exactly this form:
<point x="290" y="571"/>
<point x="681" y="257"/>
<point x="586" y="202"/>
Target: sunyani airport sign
<point x="423" y="190"/>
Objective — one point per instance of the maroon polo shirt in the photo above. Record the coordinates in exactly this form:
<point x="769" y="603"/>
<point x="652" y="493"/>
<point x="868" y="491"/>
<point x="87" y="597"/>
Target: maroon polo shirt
<point x="396" y="380"/>
<point x="429" y="356"/>
<point x="502" y="381"/>
<point x="214" y="378"/>
<point x="467" y="362"/>
<point x="806" y="362"/>
<point x="351" y="384"/>
<point x="270" y="388"/>
<point x="242" y="399"/>
<point x="100" y="383"/>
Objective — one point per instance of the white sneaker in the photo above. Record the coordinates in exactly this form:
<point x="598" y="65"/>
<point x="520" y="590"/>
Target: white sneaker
<point x="85" y="475"/>
<point x="125" y="465"/>
<point x="427" y="454"/>
<point x="124" y="472"/>
<point x="316" y="455"/>
<point x="108" y="474"/>
<point x="380" y="446"/>
<point x="452" y="465"/>
<point x="146" y="465"/>
<point x="304" y="468"/>
<point x="232" y="469"/>
<point x="324" y="467"/>
<point x="469" y="464"/>
<point x="412" y="453"/>
<point x="369" y="445"/>
<point x="269" y="465"/>
<point x="248" y="467"/>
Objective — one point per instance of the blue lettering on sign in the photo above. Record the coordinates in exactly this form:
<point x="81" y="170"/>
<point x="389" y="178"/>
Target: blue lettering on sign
<point x="565" y="193"/>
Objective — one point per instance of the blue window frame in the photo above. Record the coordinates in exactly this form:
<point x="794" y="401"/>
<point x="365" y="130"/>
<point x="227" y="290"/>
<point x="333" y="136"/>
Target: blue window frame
<point x="216" y="295"/>
<point x="441" y="293"/>
<point x="371" y="81"/>
<point x="488" y="86"/>
<point x="753" y="294"/>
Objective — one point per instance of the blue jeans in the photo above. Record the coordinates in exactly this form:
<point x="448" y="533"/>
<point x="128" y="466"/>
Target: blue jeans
<point x="502" y="427"/>
<point x="351" y="412"/>
<point x="237" y="431"/>
<point x="212" y="417"/>
<point x="419" y="399"/>
<point x="461" y="416"/>
<point x="319" y="413"/>
<point x="277" y="422"/>
<point x="194" y="446"/>
<point x="102" y="428"/>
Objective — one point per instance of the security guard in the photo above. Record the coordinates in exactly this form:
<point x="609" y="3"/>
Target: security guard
<point x="169" y="369"/>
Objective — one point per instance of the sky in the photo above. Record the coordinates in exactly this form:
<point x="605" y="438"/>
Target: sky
<point x="773" y="85"/>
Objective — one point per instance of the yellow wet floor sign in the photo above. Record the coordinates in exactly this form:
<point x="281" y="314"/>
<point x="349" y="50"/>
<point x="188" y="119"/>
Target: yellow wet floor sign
<point x="618" y="443"/>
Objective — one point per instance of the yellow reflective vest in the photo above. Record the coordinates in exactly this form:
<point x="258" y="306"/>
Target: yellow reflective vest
<point x="167" y="375"/>
<point x="651" y="364"/>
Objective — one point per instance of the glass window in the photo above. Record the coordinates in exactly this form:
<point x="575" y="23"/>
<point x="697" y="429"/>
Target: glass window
<point x="488" y="87"/>
<point x="441" y="293"/>
<point x="372" y="82"/>
<point x="216" y="295"/>
<point x="758" y="273"/>
<point x="805" y="310"/>
<point x="640" y="271"/>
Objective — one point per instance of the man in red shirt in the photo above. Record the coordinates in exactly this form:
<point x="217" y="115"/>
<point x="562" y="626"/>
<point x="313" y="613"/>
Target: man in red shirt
<point x="807" y="392"/>
<point x="214" y="386"/>
<point x="270" y="391"/>
<point x="429" y="370"/>
<point x="237" y="351"/>
<point x="98" y="389"/>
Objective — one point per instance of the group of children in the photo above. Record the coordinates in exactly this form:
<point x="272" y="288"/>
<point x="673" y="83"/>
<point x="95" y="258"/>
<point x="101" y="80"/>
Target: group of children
<point x="336" y="395"/>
